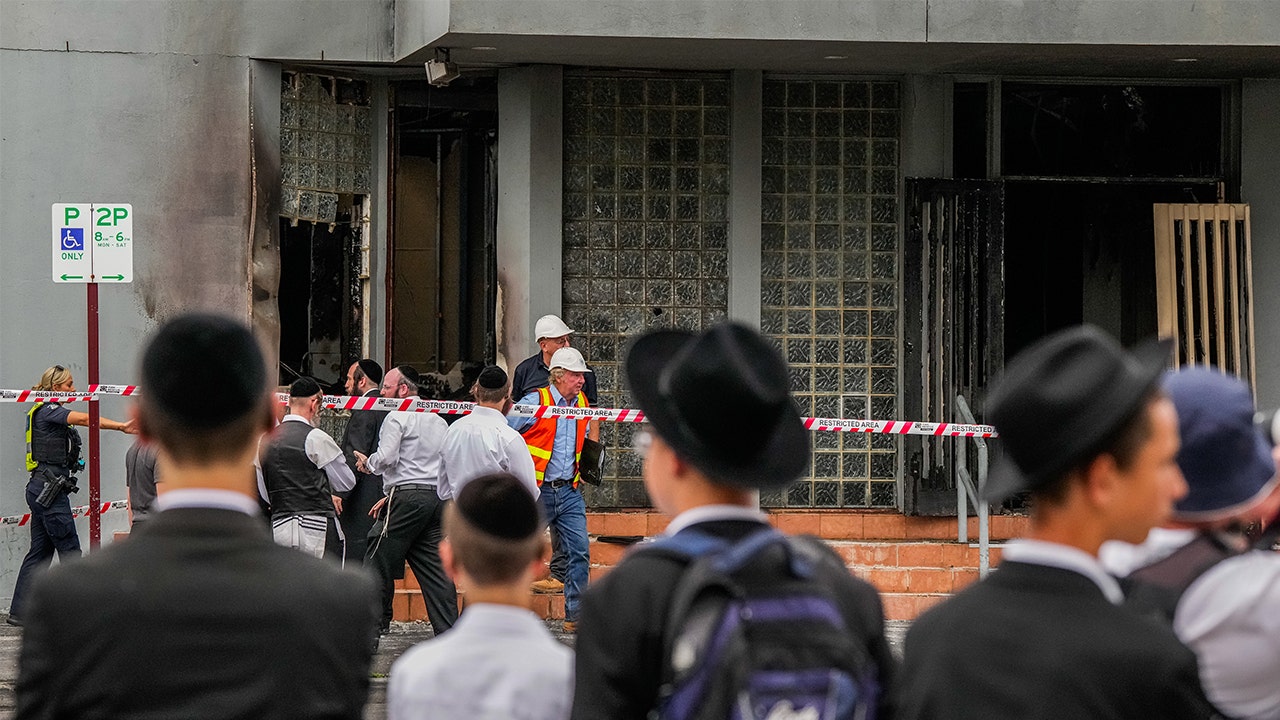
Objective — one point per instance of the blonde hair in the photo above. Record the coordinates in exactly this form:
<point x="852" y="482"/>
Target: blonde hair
<point x="55" y="375"/>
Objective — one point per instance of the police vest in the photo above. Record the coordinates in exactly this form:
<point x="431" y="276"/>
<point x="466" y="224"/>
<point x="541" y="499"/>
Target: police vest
<point x="295" y="486"/>
<point x="541" y="437"/>
<point x="60" y="446"/>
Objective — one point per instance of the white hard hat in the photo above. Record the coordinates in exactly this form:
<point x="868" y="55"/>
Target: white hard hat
<point x="550" y="326"/>
<point x="569" y="359"/>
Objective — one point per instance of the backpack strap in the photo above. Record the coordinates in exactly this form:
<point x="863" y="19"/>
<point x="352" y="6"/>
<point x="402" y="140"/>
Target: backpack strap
<point x="1157" y="588"/>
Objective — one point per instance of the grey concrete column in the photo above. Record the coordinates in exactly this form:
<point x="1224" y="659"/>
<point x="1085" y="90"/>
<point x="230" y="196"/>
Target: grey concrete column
<point x="379" y="223"/>
<point x="1259" y="177"/>
<point x="530" y="164"/>
<point x="925" y="128"/>
<point x="744" y="196"/>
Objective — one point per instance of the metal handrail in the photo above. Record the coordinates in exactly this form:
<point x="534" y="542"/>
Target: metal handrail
<point x="967" y="491"/>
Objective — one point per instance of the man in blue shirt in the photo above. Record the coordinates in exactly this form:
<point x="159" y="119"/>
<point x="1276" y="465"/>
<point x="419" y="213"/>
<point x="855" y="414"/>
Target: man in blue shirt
<point x="555" y="445"/>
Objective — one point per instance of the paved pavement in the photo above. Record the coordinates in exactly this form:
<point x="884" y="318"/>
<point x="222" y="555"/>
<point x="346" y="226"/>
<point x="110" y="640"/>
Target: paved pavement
<point x="402" y="637"/>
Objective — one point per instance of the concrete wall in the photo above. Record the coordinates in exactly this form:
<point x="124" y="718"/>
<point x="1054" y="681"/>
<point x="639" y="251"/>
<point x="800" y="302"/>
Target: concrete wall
<point x="530" y="165"/>
<point x="145" y="102"/>
<point x="1260" y="187"/>
<point x="1190" y="22"/>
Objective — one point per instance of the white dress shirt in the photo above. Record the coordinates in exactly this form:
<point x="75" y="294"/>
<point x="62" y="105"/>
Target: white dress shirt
<point x="1065" y="557"/>
<point x="497" y="663"/>
<point x="483" y="443"/>
<point x="1230" y="617"/>
<point x="207" y="498"/>
<point x="408" y="449"/>
<point x="711" y="513"/>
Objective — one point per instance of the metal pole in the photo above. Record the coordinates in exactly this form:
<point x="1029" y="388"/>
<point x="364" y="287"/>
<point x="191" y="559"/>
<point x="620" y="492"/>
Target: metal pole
<point x="95" y="481"/>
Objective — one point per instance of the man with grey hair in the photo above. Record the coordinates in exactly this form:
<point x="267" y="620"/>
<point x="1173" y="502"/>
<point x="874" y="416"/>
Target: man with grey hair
<point x="411" y="515"/>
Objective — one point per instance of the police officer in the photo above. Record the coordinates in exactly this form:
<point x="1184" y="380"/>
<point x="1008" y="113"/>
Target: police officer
<point x="53" y="451"/>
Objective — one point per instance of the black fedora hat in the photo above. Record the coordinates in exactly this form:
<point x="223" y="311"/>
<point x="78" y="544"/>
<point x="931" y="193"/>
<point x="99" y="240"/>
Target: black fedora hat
<point x="1061" y="400"/>
<point x="721" y="400"/>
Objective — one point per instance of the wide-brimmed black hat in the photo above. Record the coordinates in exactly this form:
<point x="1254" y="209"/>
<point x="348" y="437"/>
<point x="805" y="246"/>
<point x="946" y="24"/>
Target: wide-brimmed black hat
<point x="721" y="400"/>
<point x="1061" y="400"/>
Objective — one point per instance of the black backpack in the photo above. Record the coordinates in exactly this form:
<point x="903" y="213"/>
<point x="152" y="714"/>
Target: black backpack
<point x="754" y="634"/>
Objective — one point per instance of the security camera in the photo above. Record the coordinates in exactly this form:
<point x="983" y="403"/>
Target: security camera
<point x="441" y="72"/>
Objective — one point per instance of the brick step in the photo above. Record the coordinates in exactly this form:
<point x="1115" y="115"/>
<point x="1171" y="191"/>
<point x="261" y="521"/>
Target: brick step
<point x="914" y="562"/>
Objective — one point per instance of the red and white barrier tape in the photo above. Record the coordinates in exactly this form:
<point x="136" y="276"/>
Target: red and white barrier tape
<point x="79" y="511"/>
<point x="450" y="407"/>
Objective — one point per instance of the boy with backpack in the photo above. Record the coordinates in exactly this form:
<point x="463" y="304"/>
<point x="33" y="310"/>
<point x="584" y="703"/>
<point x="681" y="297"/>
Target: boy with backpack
<point x="724" y="616"/>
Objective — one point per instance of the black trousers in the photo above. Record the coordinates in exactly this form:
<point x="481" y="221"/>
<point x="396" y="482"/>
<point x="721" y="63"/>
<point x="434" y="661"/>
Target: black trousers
<point x="413" y="521"/>
<point x="355" y="519"/>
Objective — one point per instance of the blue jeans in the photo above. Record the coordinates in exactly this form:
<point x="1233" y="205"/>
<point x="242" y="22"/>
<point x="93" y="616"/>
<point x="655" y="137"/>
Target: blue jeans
<point x="52" y="529"/>
<point x="566" y="513"/>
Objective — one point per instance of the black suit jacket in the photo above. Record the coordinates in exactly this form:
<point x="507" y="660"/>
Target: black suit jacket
<point x="197" y="615"/>
<point x="619" y="646"/>
<point x="362" y="434"/>
<point x="1040" y="643"/>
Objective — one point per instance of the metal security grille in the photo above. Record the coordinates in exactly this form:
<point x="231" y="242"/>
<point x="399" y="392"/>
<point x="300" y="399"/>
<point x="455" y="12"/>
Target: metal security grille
<point x="1204" y="286"/>
<point x="829" y="244"/>
<point x="953" y="291"/>
<point x="646" y="184"/>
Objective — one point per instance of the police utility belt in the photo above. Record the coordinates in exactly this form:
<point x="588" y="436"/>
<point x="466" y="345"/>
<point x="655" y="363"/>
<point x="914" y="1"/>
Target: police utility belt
<point x="55" y="486"/>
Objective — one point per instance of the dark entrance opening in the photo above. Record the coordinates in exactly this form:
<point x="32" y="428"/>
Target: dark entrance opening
<point x="442" y="262"/>
<point x="1082" y="252"/>
<point x="319" y="300"/>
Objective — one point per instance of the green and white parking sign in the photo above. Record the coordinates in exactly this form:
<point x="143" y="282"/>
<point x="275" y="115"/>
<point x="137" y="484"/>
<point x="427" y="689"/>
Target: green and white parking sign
<point x="92" y="242"/>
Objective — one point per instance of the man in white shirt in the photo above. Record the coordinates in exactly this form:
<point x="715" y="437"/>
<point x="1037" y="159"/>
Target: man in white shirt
<point x="300" y="471"/>
<point x="410" y="525"/>
<point x="199" y="614"/>
<point x="1088" y="433"/>
<point x="1203" y="572"/>
<point x="481" y="442"/>
<point x="499" y="661"/>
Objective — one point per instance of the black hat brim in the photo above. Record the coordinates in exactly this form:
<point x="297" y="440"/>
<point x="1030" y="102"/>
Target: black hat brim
<point x="778" y="461"/>
<point x="1152" y="356"/>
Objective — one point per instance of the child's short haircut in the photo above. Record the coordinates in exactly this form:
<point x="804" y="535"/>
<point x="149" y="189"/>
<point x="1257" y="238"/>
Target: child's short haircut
<point x="495" y="529"/>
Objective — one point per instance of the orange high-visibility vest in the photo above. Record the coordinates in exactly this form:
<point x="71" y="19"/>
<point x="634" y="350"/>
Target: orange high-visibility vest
<point x="541" y="437"/>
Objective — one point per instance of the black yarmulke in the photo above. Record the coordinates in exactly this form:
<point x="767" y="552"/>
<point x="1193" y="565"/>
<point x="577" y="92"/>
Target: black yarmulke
<point x="411" y="374"/>
<point x="371" y="370"/>
<point x="499" y="505"/>
<point x="493" y="378"/>
<point x="204" y="370"/>
<point x="304" y="387"/>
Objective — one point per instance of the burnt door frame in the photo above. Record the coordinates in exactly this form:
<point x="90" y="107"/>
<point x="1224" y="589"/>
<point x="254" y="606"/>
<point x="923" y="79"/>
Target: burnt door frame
<point x="953" y="330"/>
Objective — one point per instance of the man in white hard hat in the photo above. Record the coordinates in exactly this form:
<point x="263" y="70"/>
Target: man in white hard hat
<point x="531" y="374"/>
<point x="556" y="444"/>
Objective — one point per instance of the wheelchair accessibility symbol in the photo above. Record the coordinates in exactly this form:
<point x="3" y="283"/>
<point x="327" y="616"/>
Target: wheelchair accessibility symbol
<point x="73" y="238"/>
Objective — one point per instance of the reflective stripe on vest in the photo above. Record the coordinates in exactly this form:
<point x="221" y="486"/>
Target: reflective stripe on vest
<point x="31" y="420"/>
<point x="541" y="437"/>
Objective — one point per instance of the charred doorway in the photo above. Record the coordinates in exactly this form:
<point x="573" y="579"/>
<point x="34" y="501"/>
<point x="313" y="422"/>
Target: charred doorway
<point x="1078" y="168"/>
<point x="442" y="266"/>
<point x="326" y="165"/>
<point x="1083" y="165"/>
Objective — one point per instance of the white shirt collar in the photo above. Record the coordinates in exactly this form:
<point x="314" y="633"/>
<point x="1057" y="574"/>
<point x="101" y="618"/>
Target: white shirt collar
<point x="299" y="418"/>
<point x="1040" y="552"/>
<point x="207" y="498"/>
<point x="479" y="410"/>
<point x="707" y="513"/>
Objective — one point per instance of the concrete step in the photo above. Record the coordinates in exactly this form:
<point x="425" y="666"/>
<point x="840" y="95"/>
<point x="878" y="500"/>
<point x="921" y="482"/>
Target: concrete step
<point x="914" y="562"/>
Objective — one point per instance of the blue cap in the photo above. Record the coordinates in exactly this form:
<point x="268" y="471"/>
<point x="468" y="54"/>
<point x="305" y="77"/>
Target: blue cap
<point x="1225" y="459"/>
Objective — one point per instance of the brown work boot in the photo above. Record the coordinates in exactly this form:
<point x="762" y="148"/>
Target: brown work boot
<point x="550" y="586"/>
<point x="570" y="627"/>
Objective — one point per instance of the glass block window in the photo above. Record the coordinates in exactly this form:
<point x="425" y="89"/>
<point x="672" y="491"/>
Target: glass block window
<point x="325" y="147"/>
<point x="829" y="275"/>
<point x="646" y="193"/>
